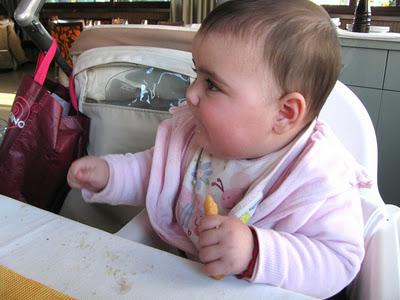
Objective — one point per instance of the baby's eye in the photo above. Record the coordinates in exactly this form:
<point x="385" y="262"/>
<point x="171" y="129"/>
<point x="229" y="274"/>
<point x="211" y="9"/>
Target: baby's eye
<point x="211" y="86"/>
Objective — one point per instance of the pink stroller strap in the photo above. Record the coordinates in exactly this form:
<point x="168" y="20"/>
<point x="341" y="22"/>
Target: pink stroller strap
<point x="44" y="61"/>
<point x="42" y="69"/>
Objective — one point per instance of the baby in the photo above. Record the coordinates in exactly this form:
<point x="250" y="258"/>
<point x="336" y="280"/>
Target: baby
<point x="287" y="191"/>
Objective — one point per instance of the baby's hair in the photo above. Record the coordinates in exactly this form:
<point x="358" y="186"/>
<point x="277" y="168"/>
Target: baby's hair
<point x="300" y="42"/>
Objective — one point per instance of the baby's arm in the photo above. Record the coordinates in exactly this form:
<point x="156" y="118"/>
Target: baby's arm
<point x="126" y="181"/>
<point x="319" y="258"/>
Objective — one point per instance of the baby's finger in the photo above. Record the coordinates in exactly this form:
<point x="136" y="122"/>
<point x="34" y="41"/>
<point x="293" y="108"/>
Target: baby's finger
<point x="210" y="222"/>
<point x="72" y="180"/>
<point x="215" y="269"/>
<point x="209" y="237"/>
<point x="87" y="178"/>
<point x="74" y="184"/>
<point x="80" y="174"/>
<point x="83" y="175"/>
<point x="210" y="254"/>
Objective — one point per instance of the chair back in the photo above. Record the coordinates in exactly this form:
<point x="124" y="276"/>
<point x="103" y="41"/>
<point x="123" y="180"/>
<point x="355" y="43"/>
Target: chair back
<point x="348" y="118"/>
<point x="379" y="276"/>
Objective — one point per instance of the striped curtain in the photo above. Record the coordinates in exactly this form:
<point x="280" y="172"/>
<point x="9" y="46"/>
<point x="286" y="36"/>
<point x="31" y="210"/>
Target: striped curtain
<point x="190" y="11"/>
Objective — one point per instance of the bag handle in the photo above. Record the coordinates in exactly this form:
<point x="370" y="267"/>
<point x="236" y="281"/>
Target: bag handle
<point x="42" y="68"/>
<point x="41" y="55"/>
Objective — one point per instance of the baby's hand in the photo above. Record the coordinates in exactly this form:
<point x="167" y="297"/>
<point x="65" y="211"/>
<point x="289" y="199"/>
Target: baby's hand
<point x="225" y="245"/>
<point x="90" y="173"/>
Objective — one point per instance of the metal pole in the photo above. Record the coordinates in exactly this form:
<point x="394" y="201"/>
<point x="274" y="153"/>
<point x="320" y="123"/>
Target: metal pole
<point x="27" y="17"/>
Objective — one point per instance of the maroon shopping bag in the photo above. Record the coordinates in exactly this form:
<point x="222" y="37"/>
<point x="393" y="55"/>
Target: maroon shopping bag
<point x="41" y="140"/>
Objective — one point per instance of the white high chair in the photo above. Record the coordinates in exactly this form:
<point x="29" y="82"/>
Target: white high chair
<point x="379" y="277"/>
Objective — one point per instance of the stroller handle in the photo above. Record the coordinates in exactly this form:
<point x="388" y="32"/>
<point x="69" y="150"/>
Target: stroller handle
<point x="27" y="17"/>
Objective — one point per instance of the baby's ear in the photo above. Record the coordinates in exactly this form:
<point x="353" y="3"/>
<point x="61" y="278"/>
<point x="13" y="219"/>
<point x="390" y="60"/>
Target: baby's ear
<point x="292" y="113"/>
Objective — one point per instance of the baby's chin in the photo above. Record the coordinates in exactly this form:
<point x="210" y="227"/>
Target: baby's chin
<point x="224" y="154"/>
<point x="213" y="151"/>
<point x="228" y="155"/>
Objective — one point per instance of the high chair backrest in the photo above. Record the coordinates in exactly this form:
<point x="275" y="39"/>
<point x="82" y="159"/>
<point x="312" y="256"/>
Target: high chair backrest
<point x="350" y="121"/>
<point x="379" y="276"/>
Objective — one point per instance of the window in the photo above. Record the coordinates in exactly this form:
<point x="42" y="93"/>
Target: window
<point x="332" y="2"/>
<point x="376" y="3"/>
<point x="347" y="7"/>
<point x="140" y="1"/>
<point x="92" y="1"/>
<point x="73" y="1"/>
<point x="389" y="8"/>
<point x="106" y="11"/>
<point x="384" y="3"/>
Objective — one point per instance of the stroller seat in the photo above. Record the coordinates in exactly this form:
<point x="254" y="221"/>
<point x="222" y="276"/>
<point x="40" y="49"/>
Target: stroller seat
<point x="126" y="91"/>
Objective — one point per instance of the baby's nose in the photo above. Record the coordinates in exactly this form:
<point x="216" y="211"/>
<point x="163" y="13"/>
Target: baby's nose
<point x="191" y="95"/>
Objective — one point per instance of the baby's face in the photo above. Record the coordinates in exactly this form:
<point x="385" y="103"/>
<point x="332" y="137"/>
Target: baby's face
<point x="233" y="101"/>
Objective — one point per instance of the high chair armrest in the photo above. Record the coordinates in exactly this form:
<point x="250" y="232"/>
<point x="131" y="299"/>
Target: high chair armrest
<point x="379" y="277"/>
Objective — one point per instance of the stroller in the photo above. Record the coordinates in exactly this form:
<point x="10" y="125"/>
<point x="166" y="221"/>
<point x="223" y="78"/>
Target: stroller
<point x="128" y="77"/>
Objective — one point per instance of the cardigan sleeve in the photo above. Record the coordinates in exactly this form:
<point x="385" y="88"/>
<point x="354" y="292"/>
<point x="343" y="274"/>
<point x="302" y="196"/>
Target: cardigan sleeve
<point x="321" y="256"/>
<point x="128" y="181"/>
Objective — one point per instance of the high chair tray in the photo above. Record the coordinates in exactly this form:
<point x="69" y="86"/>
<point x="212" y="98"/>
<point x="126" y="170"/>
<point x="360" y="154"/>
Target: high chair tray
<point x="87" y="263"/>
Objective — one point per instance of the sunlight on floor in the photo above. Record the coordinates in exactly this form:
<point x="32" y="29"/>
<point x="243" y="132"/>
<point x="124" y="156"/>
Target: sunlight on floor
<point x="6" y="99"/>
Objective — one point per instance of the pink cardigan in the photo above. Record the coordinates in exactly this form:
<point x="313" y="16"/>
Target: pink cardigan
<point x="309" y="224"/>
